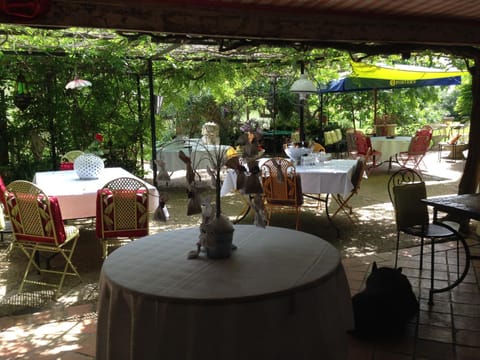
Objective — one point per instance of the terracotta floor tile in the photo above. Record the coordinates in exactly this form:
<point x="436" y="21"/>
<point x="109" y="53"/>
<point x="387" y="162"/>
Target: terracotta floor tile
<point x="435" y="319"/>
<point x="467" y="353"/>
<point x="466" y="298"/>
<point x="439" y="306"/>
<point x="359" y="350"/>
<point x="383" y="355"/>
<point x="467" y="323"/>
<point x="88" y="345"/>
<point x="467" y="337"/>
<point x="466" y="309"/>
<point x="401" y="345"/>
<point x="435" y="333"/>
<point x="434" y="350"/>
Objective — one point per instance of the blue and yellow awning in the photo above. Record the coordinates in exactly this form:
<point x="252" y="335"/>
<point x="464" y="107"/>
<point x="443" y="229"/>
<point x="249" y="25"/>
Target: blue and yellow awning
<point x="370" y="77"/>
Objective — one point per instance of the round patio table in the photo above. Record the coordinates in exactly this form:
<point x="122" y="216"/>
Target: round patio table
<point x="283" y="294"/>
<point x="390" y="146"/>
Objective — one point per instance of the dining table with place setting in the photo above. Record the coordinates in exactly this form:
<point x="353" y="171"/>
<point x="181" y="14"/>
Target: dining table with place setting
<point x="319" y="175"/>
<point x="77" y="197"/>
<point x="325" y="177"/>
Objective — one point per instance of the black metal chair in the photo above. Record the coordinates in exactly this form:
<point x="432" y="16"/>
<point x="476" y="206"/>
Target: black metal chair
<point x="406" y="189"/>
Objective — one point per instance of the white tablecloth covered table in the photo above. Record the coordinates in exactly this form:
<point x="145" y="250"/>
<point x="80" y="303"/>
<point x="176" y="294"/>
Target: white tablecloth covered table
<point x="77" y="197"/>
<point x="332" y="177"/>
<point x="197" y="152"/>
<point x="283" y="294"/>
<point x="390" y="146"/>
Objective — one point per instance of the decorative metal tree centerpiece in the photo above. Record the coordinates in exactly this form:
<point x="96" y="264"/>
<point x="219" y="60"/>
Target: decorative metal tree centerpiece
<point x="216" y="229"/>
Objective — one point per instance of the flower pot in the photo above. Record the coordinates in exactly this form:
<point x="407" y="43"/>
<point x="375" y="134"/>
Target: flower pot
<point x="223" y="246"/>
<point x="88" y="166"/>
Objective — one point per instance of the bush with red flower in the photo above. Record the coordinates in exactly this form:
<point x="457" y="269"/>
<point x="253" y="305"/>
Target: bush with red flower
<point x="96" y="147"/>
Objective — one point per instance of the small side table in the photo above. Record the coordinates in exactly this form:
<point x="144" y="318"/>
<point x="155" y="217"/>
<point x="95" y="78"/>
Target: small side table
<point x="455" y="151"/>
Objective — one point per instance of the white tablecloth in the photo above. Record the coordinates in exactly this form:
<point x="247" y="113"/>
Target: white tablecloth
<point x="283" y="294"/>
<point x="333" y="177"/>
<point x="197" y="152"/>
<point x="77" y="197"/>
<point x="390" y="147"/>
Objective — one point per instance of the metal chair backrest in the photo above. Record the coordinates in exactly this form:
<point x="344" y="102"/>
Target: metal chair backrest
<point x="361" y="142"/>
<point x="419" y="144"/>
<point x="357" y="175"/>
<point x="406" y="188"/>
<point x="425" y="131"/>
<point x="35" y="217"/>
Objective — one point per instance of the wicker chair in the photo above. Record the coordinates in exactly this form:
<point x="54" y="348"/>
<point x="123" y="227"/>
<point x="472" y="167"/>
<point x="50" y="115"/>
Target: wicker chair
<point x="67" y="159"/>
<point x="38" y="227"/>
<point x="282" y="187"/>
<point x="5" y="225"/>
<point x="122" y="212"/>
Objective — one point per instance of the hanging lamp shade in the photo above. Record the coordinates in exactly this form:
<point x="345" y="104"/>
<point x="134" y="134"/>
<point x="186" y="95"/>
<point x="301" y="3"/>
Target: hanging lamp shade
<point x="22" y="98"/>
<point x="78" y="84"/>
<point x="303" y="86"/>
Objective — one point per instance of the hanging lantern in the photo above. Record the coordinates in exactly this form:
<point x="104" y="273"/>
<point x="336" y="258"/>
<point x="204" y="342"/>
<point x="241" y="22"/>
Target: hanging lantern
<point x="22" y="97"/>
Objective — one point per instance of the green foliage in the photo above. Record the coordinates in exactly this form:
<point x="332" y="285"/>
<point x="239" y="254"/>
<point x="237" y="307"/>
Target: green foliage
<point x="463" y="106"/>
<point x="198" y="84"/>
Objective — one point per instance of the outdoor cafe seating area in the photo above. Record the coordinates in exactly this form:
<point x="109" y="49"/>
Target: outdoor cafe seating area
<point x="443" y="325"/>
<point x="448" y="330"/>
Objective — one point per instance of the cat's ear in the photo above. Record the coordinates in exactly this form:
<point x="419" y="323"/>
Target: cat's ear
<point x="374" y="266"/>
<point x="399" y="270"/>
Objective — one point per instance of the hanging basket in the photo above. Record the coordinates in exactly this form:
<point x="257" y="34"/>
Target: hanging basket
<point x="88" y="166"/>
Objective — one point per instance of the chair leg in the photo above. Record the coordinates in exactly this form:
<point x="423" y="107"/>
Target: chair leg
<point x="422" y="240"/>
<point x="31" y="260"/>
<point x="396" y="249"/>
<point x="297" y="225"/>
<point x="432" y="271"/>
<point x="104" y="249"/>
<point x="67" y="255"/>
<point x="458" y="258"/>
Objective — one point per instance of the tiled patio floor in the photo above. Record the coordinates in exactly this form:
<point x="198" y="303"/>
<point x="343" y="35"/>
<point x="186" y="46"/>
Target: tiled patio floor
<point x="450" y="329"/>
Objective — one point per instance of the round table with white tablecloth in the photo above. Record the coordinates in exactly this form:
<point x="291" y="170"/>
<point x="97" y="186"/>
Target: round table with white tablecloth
<point x="283" y="294"/>
<point x="390" y="146"/>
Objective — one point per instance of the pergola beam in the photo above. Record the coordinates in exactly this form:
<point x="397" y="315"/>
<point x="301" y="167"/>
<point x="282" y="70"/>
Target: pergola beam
<point x="257" y="23"/>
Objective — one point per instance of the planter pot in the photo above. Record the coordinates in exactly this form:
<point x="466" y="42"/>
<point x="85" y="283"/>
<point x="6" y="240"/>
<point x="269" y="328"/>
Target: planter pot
<point x="88" y="166"/>
<point x="222" y="248"/>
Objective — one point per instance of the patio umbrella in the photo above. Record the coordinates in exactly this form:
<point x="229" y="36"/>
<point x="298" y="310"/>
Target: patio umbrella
<point x="365" y="77"/>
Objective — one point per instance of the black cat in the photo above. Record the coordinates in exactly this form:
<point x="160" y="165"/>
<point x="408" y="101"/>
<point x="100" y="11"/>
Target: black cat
<point x="386" y="304"/>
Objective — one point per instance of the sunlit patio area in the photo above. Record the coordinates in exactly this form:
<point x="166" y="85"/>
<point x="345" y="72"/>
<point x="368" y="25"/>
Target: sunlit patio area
<point x="32" y="327"/>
